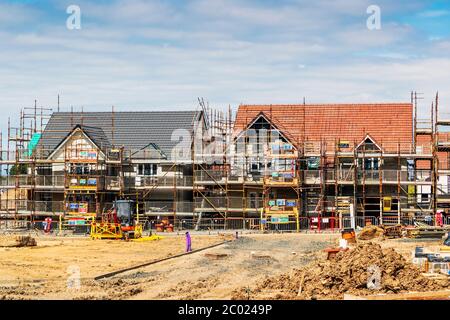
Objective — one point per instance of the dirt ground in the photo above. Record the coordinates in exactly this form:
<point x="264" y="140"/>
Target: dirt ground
<point x="42" y="272"/>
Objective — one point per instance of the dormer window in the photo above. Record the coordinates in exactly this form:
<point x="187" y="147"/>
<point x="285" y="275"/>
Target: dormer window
<point x="368" y="145"/>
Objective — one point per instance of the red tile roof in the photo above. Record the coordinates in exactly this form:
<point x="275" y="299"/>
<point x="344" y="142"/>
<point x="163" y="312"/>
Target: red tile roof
<point x="388" y="123"/>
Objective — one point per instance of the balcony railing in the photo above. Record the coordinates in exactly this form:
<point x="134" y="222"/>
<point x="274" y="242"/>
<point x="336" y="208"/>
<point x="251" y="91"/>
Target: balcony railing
<point x="307" y="148"/>
<point x="387" y="176"/>
<point x="211" y="176"/>
<point x="142" y="182"/>
<point x="90" y="181"/>
<point x="12" y="206"/>
<point x="113" y="183"/>
<point x="84" y="182"/>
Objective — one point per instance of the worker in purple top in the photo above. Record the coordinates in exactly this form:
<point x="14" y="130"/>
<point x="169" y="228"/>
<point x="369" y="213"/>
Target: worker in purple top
<point x="188" y="242"/>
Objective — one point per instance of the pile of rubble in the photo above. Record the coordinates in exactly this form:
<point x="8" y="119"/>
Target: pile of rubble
<point x="370" y="232"/>
<point x="365" y="270"/>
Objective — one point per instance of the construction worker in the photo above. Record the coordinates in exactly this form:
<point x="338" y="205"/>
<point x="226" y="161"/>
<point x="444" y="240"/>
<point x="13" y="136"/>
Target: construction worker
<point x="47" y="225"/>
<point x="188" y="242"/>
<point x="439" y="219"/>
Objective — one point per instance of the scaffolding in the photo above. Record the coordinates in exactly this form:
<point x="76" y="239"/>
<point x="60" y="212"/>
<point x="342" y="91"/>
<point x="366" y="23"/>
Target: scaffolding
<point x="259" y="177"/>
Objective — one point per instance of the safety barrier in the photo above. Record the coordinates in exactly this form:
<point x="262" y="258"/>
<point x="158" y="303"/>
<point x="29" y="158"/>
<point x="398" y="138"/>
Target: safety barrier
<point x="406" y="221"/>
<point x="429" y="220"/>
<point x="390" y="221"/>
<point x="289" y="226"/>
<point x="447" y="220"/>
<point x="366" y="221"/>
<point x="305" y="224"/>
<point x="14" y="224"/>
<point x="346" y="223"/>
<point x="216" y="224"/>
<point x="324" y="223"/>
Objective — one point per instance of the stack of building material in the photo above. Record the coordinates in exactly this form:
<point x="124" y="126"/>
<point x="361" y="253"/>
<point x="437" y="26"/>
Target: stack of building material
<point x="422" y="230"/>
<point x="393" y="232"/>
<point x="370" y="232"/>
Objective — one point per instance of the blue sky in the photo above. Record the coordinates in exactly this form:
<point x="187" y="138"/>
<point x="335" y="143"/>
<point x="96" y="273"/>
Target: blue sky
<point x="143" y="55"/>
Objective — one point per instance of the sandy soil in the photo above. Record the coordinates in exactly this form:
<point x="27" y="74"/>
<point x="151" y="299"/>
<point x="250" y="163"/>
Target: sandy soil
<point x="366" y="269"/>
<point x="41" y="272"/>
<point x="249" y="258"/>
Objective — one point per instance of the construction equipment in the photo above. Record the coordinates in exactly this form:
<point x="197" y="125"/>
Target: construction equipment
<point x="118" y="223"/>
<point x="349" y="235"/>
<point x="164" y="226"/>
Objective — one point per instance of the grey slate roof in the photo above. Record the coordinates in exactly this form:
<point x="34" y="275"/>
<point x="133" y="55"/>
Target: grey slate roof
<point x="132" y="130"/>
<point x="97" y="135"/>
<point x="151" y="151"/>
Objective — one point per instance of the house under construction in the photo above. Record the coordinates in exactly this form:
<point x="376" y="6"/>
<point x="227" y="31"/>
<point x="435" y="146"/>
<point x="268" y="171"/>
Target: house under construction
<point x="276" y="167"/>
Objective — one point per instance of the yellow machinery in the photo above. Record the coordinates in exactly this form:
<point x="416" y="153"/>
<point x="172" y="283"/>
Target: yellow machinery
<point x="149" y="238"/>
<point x="387" y="204"/>
<point x="118" y="223"/>
<point x="106" y="230"/>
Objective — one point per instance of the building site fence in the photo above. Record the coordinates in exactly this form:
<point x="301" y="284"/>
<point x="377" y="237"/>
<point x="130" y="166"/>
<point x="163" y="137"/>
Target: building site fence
<point x="39" y="225"/>
<point x="212" y="204"/>
<point x="446" y="220"/>
<point x="306" y="224"/>
<point x="336" y="223"/>
<point x="217" y="224"/>
<point x="323" y="223"/>
<point x="290" y="226"/>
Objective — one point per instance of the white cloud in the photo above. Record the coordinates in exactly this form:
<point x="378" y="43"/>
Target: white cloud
<point x="134" y="12"/>
<point x="149" y="54"/>
<point x="17" y="14"/>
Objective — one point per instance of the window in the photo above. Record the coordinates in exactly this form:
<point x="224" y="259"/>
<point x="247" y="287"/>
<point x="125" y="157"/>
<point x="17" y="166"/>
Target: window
<point x="369" y="163"/>
<point x="147" y="169"/>
<point x="80" y="169"/>
<point x="44" y="170"/>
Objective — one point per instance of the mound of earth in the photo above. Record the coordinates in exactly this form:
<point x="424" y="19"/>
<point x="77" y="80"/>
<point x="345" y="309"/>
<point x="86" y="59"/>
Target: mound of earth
<point x="17" y="241"/>
<point x="370" y="232"/>
<point x="367" y="269"/>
